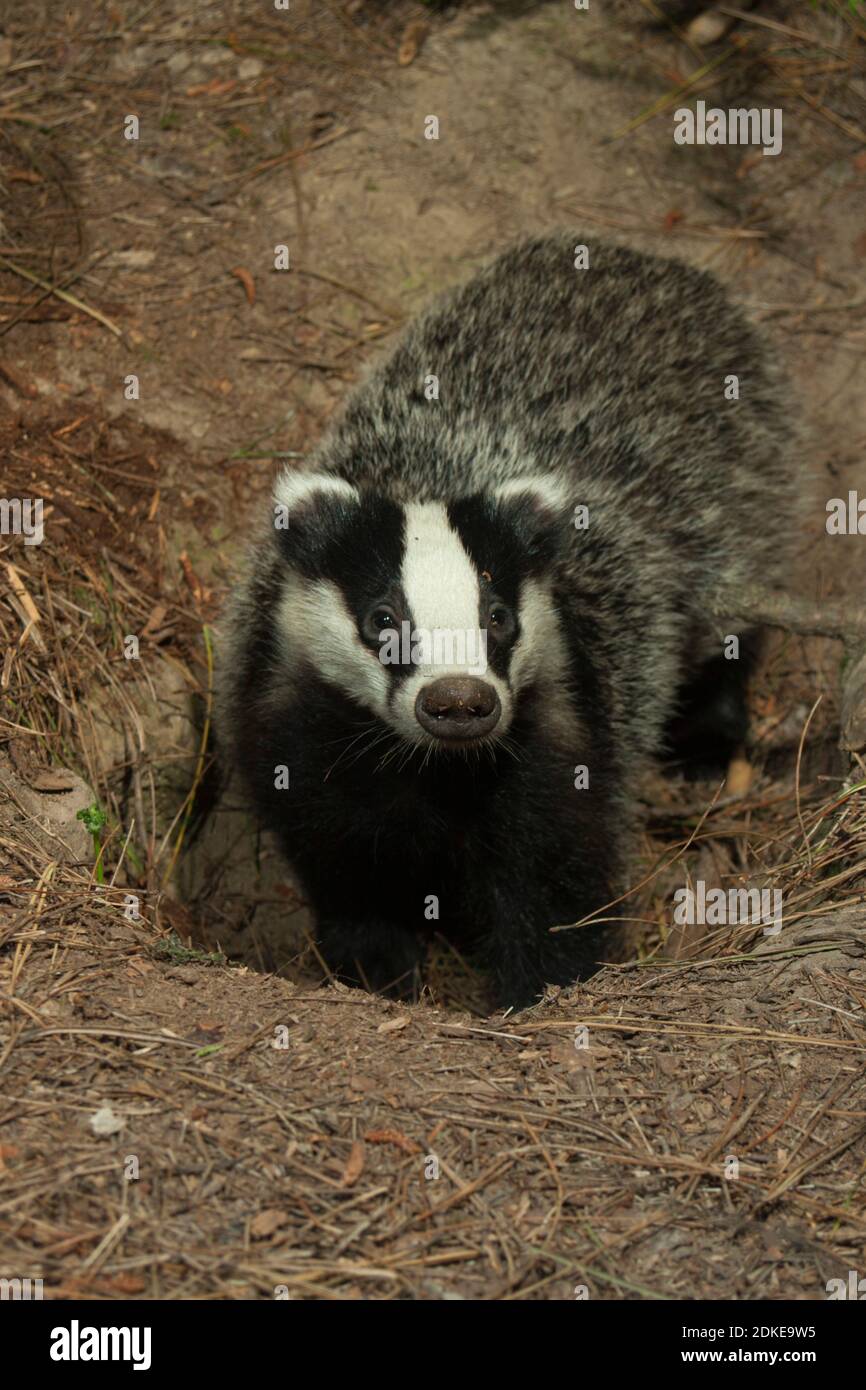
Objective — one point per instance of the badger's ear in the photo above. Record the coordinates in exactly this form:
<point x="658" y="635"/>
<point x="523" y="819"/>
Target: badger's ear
<point x="309" y="510"/>
<point x="539" y="507"/>
<point x="296" y="493"/>
<point x="541" y="493"/>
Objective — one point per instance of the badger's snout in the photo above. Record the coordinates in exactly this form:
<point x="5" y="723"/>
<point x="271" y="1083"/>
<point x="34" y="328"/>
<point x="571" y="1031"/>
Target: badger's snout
<point x="458" y="707"/>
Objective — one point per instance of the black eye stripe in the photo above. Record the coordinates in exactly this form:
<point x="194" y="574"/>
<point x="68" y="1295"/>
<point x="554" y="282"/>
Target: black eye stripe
<point x="493" y="545"/>
<point x="366" y="554"/>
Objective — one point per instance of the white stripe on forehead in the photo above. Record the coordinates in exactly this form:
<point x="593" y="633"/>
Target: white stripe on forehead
<point x="438" y="578"/>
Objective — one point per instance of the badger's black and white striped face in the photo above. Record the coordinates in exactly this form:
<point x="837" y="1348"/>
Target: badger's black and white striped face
<point x="434" y="617"/>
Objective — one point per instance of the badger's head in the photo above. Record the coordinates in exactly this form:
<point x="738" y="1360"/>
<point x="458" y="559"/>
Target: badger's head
<point x="433" y="617"/>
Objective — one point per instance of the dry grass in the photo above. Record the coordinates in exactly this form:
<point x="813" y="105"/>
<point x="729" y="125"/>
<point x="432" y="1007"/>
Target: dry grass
<point x="391" y="1152"/>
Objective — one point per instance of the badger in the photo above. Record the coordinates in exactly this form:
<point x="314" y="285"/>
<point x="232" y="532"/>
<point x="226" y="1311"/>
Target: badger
<point x="471" y="624"/>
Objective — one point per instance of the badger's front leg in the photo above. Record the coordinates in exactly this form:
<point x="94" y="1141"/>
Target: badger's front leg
<point x="525" y="955"/>
<point x="565" y="865"/>
<point x="361" y="933"/>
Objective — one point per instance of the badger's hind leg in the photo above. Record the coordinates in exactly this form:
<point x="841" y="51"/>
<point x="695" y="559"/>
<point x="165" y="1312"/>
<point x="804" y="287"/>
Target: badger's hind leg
<point x="711" y="720"/>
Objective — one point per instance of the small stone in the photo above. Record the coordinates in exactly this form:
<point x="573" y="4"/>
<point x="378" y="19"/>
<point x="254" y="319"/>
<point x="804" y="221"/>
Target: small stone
<point x="178" y="63"/>
<point x="212" y="57"/>
<point x="105" y="1123"/>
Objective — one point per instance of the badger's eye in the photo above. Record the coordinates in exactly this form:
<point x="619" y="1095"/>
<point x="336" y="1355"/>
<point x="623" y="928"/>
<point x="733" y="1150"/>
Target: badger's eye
<point x="380" y="619"/>
<point x="500" y="620"/>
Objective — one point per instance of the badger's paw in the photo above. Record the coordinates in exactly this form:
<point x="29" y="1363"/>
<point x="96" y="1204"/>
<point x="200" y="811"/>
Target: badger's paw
<point x="383" y="957"/>
<point x="524" y="963"/>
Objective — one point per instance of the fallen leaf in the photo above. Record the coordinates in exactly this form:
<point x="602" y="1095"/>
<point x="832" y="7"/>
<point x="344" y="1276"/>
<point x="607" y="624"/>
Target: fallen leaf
<point x="247" y="281"/>
<point x="412" y="42"/>
<point x="565" y="1054"/>
<point x="394" y="1025"/>
<point x="217" y="87"/>
<point x="266" y="1222"/>
<point x="393" y="1136"/>
<point x="139" y="966"/>
<point x="17" y="382"/>
<point x="155" y="621"/>
<point x="120" y="1283"/>
<point x="52" y="780"/>
<point x="354" y="1165"/>
<point x="205" y="1038"/>
<point x="739" y="778"/>
<point x="359" y="1082"/>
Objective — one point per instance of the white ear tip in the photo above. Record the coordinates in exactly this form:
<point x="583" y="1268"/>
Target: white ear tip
<point x="540" y="487"/>
<point x="295" y="488"/>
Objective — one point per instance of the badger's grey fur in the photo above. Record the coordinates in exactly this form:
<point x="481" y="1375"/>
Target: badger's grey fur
<point x="603" y="388"/>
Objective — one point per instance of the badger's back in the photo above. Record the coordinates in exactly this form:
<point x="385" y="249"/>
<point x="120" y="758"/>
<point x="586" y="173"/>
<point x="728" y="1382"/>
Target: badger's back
<point x="613" y="376"/>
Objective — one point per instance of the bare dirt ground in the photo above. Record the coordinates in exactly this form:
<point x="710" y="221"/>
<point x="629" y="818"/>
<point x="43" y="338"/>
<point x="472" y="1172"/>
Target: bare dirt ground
<point x="705" y="1136"/>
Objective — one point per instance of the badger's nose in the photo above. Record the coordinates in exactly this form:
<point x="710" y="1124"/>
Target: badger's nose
<point x="458" y="707"/>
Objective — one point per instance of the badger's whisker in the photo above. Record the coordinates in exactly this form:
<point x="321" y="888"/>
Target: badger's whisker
<point x="510" y="747"/>
<point x="401" y="745"/>
<point x="397" y="744"/>
<point x="368" y="748"/>
<point x="368" y="728"/>
<point x="409" y="754"/>
<point x="348" y="738"/>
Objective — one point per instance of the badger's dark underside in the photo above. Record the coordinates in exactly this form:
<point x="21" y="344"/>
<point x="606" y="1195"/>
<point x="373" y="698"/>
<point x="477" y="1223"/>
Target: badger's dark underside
<point x="391" y="848"/>
<point x="376" y="834"/>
